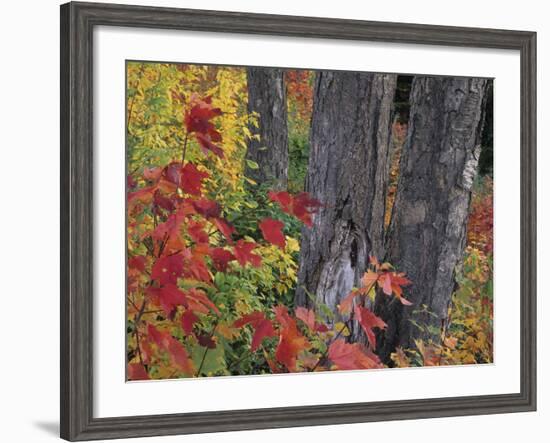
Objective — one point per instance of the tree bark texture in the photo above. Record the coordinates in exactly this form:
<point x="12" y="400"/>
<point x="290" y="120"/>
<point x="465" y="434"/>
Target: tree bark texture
<point x="267" y="97"/>
<point x="348" y="173"/>
<point x="427" y="233"/>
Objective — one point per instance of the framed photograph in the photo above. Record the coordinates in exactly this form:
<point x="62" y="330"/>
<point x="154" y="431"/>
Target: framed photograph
<point x="273" y="221"/>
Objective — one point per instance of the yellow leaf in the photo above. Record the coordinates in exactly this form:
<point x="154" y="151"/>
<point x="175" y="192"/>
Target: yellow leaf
<point x="341" y="327"/>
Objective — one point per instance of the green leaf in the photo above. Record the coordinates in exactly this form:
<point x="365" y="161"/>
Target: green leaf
<point x="214" y="359"/>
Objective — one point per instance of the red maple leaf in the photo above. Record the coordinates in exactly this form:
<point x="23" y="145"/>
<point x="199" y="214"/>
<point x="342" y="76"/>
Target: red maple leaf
<point x="391" y="282"/>
<point x="307" y="316"/>
<point x="152" y="174"/>
<point x="197" y="118"/>
<point x="271" y="230"/>
<point x="172" y="173"/>
<point x="188" y="320"/>
<point x="207" y="208"/>
<point x="283" y="198"/>
<point x="221" y="258"/>
<point x="206" y="341"/>
<point x="302" y="206"/>
<point x="194" y="264"/>
<point x="161" y="201"/>
<point x="291" y="341"/>
<point x="176" y="351"/>
<point x="137" y="263"/>
<point x="158" y="337"/>
<point x="199" y="301"/>
<point x="179" y="356"/>
<point x="191" y="179"/>
<point x="243" y="253"/>
<point x="168" y="232"/>
<point x="263" y="327"/>
<point x="168" y="269"/>
<point x="252" y="318"/>
<point x="350" y="356"/>
<point x="288" y="349"/>
<point x="368" y="280"/>
<point x="368" y="322"/>
<point x="195" y="229"/>
<point x="206" y="144"/>
<point x="168" y="297"/>
<point x="136" y="371"/>
<point x="224" y="227"/>
<point x="143" y="195"/>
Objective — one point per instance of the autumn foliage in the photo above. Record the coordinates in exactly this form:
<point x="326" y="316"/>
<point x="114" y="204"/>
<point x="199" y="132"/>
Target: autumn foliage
<point x="180" y="240"/>
<point x="209" y="269"/>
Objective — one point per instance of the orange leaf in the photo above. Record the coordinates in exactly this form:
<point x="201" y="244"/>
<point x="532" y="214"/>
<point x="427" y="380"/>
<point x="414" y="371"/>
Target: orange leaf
<point x="307" y="316"/>
<point x="350" y="356"/>
<point x="346" y="304"/>
<point x="368" y="322"/>
<point x="179" y="356"/>
<point x="291" y="342"/>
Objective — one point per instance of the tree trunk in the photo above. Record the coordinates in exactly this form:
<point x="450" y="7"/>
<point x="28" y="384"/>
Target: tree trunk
<point x="427" y="232"/>
<point x="348" y="172"/>
<point x="267" y="97"/>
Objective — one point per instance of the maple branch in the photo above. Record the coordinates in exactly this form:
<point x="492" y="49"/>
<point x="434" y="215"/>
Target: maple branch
<point x="132" y="303"/>
<point x="184" y="148"/>
<point x="239" y="360"/>
<point x="206" y="350"/>
<point x="324" y="355"/>
<point x="136" y="333"/>
<point x="156" y="311"/>
<point x="163" y="244"/>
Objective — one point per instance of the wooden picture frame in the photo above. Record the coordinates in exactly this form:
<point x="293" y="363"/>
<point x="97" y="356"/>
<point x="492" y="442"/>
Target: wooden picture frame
<point x="77" y="23"/>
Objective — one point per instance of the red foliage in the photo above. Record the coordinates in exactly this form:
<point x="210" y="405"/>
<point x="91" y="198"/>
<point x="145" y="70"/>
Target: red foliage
<point x="221" y="258"/>
<point x="243" y="253"/>
<point x="186" y="241"/>
<point x="351" y="356"/>
<point x="272" y="232"/>
<point x="302" y="205"/>
<point x="299" y="89"/>
<point x="368" y="322"/>
<point x="191" y="179"/>
<point x="262" y="326"/>
<point x="137" y="371"/>
<point x="291" y="341"/>
<point x="198" y="116"/>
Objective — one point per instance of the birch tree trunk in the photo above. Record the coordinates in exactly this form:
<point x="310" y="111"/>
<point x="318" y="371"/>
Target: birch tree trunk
<point x="427" y="233"/>
<point x="267" y="97"/>
<point x="348" y="172"/>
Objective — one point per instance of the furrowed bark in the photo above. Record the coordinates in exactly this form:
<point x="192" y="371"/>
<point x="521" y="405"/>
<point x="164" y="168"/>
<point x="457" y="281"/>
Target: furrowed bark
<point x="348" y="172"/>
<point x="267" y="97"/>
<point x="427" y="232"/>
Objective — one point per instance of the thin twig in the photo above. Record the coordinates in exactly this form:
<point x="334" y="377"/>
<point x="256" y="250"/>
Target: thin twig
<point x="324" y="356"/>
<point x="206" y="350"/>
<point x="184" y="148"/>
<point x="136" y="333"/>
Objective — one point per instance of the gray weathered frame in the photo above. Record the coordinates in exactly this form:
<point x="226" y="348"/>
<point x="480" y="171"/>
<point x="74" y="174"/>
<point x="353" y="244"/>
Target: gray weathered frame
<point x="77" y="23"/>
